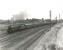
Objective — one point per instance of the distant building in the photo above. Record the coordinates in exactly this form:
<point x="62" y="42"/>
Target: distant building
<point x="47" y="20"/>
<point x="33" y="20"/>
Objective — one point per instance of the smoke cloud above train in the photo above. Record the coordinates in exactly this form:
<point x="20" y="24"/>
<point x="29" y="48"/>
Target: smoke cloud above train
<point x="20" y="16"/>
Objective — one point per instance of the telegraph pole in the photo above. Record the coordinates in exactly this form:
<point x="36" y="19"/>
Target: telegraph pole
<point x="12" y="20"/>
<point x="59" y="17"/>
<point x="56" y="19"/>
<point x="50" y="18"/>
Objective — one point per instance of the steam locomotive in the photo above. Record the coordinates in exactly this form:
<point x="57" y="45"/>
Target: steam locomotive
<point x="20" y="27"/>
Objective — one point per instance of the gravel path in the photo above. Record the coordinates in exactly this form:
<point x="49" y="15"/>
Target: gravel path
<point x="49" y="40"/>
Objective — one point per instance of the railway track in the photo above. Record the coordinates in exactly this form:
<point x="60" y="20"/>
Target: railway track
<point x="32" y="40"/>
<point x="21" y="40"/>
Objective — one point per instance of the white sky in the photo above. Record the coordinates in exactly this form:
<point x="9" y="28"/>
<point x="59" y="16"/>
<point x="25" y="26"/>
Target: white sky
<point x="34" y="8"/>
